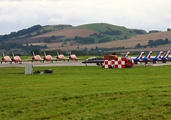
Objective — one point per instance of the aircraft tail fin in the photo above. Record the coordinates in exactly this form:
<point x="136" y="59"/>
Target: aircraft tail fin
<point x="148" y="56"/>
<point x="140" y="55"/>
<point x="127" y="54"/>
<point x="3" y="54"/>
<point x="44" y="53"/>
<point x="167" y="55"/>
<point x="57" y="53"/>
<point x="12" y="54"/>
<point x="159" y="56"/>
<point x="33" y="54"/>
<point x="69" y="52"/>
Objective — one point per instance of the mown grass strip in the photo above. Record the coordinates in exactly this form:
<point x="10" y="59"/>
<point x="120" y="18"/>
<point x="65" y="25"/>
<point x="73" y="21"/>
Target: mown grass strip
<point x="86" y="93"/>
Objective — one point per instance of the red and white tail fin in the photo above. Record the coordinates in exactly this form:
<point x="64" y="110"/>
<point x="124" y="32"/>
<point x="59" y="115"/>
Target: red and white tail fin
<point x="167" y="55"/>
<point x="159" y="56"/>
<point x="140" y="56"/>
<point x="148" y="56"/>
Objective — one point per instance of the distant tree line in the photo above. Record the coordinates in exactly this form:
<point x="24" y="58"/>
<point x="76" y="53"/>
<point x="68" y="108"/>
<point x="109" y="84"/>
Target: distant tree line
<point x="98" y="35"/>
<point x="105" y="39"/>
<point x="40" y="32"/>
<point x="20" y="33"/>
<point x="152" y="43"/>
<point x="158" y="42"/>
<point x="168" y="29"/>
<point x="110" y="49"/>
<point x="154" y="31"/>
<point x="52" y="38"/>
<point x="84" y="40"/>
<point x="33" y="47"/>
<point x="139" y="31"/>
<point x="9" y="45"/>
<point x="90" y="40"/>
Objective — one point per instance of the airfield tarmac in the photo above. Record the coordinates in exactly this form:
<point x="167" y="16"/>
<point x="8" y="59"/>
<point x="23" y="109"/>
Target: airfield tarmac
<point x="58" y="63"/>
<point x="70" y="63"/>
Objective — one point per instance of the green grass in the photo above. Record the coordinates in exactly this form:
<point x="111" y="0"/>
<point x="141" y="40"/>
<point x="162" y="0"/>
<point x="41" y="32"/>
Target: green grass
<point x="86" y="93"/>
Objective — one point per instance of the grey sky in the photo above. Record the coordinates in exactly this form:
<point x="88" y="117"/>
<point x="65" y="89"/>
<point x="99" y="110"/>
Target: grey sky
<point x="140" y="14"/>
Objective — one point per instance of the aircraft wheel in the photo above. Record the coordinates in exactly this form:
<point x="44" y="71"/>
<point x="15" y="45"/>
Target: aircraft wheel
<point x="98" y="64"/>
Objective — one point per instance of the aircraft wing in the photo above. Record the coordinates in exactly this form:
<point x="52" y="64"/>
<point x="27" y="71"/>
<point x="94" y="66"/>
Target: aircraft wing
<point x="5" y="61"/>
<point x="98" y="61"/>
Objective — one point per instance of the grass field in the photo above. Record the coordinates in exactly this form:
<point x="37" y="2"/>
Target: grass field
<point x="87" y="93"/>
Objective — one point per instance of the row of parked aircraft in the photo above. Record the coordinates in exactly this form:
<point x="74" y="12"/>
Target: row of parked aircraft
<point x="140" y="58"/>
<point x="17" y="59"/>
<point x="154" y="59"/>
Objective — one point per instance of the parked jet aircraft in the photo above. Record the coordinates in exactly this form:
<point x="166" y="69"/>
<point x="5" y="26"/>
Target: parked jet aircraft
<point x="60" y="56"/>
<point x="36" y="58"/>
<point x="98" y="60"/>
<point x="47" y="57"/>
<point x="72" y="57"/>
<point x="138" y="58"/>
<point x="146" y="59"/>
<point x="157" y="57"/>
<point x="5" y="58"/>
<point x="16" y="59"/>
<point x="166" y="57"/>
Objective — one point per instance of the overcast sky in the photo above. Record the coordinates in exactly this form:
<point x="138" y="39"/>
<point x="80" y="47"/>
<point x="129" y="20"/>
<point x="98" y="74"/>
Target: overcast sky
<point x="140" y="14"/>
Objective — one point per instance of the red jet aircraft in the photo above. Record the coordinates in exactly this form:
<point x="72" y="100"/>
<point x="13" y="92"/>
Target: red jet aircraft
<point x="16" y="59"/>
<point x="5" y="58"/>
<point x="72" y="57"/>
<point x="47" y="57"/>
<point x="36" y="58"/>
<point x="60" y="56"/>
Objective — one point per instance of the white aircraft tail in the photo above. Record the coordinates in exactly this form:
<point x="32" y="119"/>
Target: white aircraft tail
<point x="44" y="53"/>
<point x="12" y="54"/>
<point x="3" y="54"/>
<point x="33" y="54"/>
<point x="127" y="54"/>
<point x="57" y="53"/>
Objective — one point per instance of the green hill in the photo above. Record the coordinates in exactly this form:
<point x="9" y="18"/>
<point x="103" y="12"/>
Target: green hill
<point x="83" y="34"/>
<point x="31" y="32"/>
<point x="107" y="32"/>
<point x="103" y="30"/>
<point x="101" y="27"/>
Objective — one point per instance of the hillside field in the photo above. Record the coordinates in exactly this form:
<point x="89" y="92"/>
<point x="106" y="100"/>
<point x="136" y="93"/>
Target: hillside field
<point x="142" y="39"/>
<point x="86" y="93"/>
